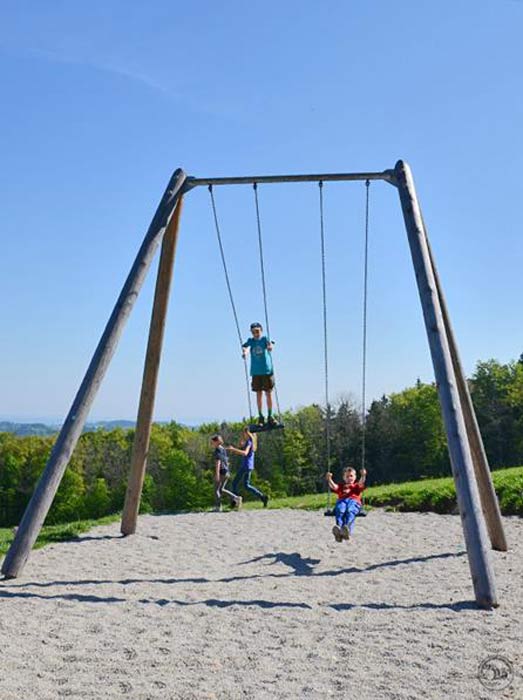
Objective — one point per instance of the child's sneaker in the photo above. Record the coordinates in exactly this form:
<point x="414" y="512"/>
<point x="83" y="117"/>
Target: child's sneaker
<point x="239" y="502"/>
<point x="345" y="534"/>
<point x="337" y="533"/>
<point x="265" y="500"/>
<point x="261" y="420"/>
<point x="272" y="421"/>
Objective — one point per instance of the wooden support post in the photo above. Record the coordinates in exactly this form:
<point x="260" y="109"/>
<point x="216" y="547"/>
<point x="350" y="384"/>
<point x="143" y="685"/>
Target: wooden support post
<point x="487" y="493"/>
<point x="150" y="376"/>
<point x="46" y="488"/>
<point x="473" y="524"/>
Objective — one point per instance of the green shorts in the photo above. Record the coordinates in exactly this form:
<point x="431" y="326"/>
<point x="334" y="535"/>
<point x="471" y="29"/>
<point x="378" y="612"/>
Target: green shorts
<point x="262" y="382"/>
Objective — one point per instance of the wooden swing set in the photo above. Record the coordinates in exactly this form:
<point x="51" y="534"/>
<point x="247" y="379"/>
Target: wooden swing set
<point x="477" y="501"/>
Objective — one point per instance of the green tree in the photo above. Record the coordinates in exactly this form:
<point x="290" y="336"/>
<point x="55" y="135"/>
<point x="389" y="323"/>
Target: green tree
<point x="421" y="444"/>
<point x="97" y="500"/>
<point x="68" y="504"/>
<point x="496" y="391"/>
<point x="346" y="433"/>
<point x="381" y="437"/>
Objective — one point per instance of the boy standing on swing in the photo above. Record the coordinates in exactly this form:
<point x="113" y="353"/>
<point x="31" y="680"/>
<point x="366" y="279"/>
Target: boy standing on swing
<point x="262" y="379"/>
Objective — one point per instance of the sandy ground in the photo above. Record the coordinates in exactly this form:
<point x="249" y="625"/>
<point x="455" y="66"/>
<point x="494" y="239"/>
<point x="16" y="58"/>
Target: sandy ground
<point x="260" y="604"/>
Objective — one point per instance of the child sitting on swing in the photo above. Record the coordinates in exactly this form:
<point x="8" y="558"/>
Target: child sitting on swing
<point x="348" y="504"/>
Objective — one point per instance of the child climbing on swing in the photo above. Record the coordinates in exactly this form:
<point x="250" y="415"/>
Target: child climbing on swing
<point x="222" y="474"/>
<point x="246" y="449"/>
<point x="262" y="379"/>
<point x="348" y="504"/>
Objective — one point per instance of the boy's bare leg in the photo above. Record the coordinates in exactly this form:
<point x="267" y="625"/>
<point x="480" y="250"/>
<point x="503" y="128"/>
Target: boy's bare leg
<point x="268" y="397"/>
<point x="237" y="499"/>
<point x="259" y="402"/>
<point x="217" y="495"/>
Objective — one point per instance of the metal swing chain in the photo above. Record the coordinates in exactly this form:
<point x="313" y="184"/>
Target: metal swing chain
<point x="325" y="345"/>
<point x="364" y="329"/>
<point x="264" y="288"/>
<point x="233" y="306"/>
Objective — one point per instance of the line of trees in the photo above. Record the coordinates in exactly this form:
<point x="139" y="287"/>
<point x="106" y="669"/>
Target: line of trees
<point x="404" y="439"/>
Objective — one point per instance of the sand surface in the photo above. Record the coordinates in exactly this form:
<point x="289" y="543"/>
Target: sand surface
<point x="260" y="604"/>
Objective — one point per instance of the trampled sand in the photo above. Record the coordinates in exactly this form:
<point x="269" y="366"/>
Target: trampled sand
<point x="261" y="604"/>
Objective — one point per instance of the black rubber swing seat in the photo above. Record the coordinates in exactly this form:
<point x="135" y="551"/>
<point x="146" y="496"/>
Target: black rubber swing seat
<point x="361" y="514"/>
<point x="265" y="427"/>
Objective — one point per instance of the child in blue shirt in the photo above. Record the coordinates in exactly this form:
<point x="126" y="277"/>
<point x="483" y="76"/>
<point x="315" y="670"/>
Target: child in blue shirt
<point x="246" y="450"/>
<point x="262" y="379"/>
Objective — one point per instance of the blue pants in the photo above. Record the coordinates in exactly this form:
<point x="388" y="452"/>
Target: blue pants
<point x="345" y="511"/>
<point x="244" y="476"/>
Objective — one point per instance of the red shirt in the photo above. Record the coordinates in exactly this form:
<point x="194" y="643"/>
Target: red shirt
<point x="353" y="491"/>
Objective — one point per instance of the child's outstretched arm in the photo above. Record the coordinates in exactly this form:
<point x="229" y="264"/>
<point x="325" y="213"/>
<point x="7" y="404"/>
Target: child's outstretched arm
<point x="363" y="476"/>
<point x="332" y="485"/>
<point x="238" y="451"/>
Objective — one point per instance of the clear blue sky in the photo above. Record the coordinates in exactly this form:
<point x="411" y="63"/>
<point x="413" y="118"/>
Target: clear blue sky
<point x="101" y="101"/>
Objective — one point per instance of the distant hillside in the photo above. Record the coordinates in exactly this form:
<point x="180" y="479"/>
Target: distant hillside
<point x="109" y="425"/>
<point x="27" y="428"/>
<point x="23" y="429"/>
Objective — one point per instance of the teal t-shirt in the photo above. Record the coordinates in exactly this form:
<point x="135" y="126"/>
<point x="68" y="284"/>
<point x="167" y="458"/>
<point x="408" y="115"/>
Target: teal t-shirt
<point x="261" y="361"/>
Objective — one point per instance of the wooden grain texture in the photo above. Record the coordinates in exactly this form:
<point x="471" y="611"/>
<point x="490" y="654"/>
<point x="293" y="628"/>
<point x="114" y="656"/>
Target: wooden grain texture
<point x="150" y="376"/>
<point x="473" y="523"/>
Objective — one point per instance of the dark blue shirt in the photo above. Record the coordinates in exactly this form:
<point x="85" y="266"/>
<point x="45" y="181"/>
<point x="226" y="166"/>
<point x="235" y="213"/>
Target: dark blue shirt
<point x="221" y="453"/>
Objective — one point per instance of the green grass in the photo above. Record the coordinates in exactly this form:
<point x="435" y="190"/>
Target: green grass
<point x="437" y="495"/>
<point x="56" y="533"/>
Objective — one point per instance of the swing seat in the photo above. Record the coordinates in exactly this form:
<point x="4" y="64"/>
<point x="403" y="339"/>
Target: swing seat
<point x="257" y="428"/>
<point x="362" y="514"/>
